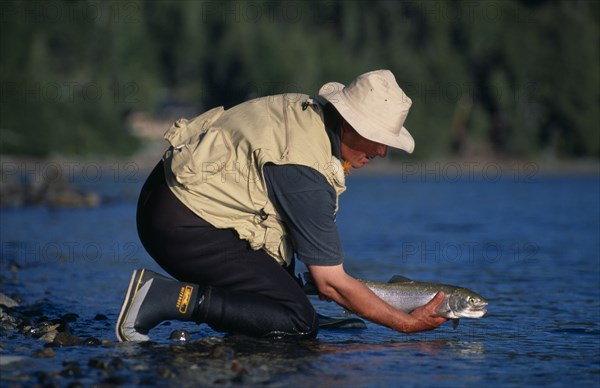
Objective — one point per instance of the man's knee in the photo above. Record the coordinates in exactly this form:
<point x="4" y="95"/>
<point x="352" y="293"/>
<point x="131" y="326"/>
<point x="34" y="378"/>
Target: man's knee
<point x="305" y="321"/>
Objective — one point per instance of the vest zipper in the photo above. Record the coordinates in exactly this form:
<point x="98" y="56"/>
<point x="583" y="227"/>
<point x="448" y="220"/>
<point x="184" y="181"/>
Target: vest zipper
<point x="286" y="150"/>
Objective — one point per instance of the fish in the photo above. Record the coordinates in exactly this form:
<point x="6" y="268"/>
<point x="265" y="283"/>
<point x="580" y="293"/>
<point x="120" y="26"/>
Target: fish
<point x="407" y="295"/>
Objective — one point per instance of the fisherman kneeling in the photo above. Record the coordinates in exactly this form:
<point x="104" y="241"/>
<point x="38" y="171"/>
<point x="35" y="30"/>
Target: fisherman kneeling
<point x="242" y="191"/>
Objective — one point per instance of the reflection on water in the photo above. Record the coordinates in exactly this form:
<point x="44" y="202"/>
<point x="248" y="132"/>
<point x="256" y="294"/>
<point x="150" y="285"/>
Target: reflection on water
<point x="428" y="347"/>
<point x="531" y="248"/>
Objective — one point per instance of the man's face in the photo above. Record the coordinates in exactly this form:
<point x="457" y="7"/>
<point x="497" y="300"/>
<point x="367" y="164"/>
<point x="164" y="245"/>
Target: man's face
<point x="358" y="150"/>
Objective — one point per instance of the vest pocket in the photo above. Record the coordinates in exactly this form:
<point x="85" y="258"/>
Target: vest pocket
<point x="196" y="162"/>
<point x="184" y="131"/>
<point x="277" y="246"/>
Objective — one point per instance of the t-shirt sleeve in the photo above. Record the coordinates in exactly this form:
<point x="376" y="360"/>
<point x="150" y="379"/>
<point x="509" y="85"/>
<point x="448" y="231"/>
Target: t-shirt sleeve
<point x="307" y="202"/>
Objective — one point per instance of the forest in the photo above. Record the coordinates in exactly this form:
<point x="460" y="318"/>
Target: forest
<point x="496" y="78"/>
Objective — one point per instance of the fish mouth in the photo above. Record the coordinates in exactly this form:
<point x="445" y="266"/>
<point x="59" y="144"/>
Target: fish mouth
<point x="474" y="313"/>
<point x="481" y="310"/>
<point x="478" y="311"/>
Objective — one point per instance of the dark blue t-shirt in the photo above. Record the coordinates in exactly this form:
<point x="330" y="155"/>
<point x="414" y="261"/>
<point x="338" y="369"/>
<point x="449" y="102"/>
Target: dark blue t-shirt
<point x="306" y="201"/>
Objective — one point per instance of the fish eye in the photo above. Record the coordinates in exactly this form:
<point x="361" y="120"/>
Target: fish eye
<point x="472" y="300"/>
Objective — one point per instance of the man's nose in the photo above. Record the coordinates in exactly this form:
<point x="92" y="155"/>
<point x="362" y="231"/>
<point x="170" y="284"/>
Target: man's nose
<point x="381" y="150"/>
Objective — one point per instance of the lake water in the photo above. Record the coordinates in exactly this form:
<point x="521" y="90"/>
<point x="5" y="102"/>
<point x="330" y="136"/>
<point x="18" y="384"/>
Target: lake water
<point x="530" y="244"/>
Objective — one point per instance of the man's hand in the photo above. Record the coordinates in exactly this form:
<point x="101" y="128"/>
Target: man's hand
<point x="426" y="317"/>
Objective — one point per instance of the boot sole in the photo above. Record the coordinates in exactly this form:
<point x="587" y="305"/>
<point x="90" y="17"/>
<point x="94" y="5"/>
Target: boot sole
<point x="132" y="290"/>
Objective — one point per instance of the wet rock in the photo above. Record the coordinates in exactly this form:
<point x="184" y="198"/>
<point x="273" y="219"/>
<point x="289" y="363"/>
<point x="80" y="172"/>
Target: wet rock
<point x="209" y="341"/>
<point x="44" y="332"/>
<point x="238" y="378"/>
<point x="5" y="360"/>
<point x="116" y="363"/>
<point x="63" y="325"/>
<point x="45" y="379"/>
<point x="7" y="320"/>
<point x="70" y="317"/>
<point x="14" y="267"/>
<point x="113" y="380"/>
<point x="91" y="341"/>
<point x="71" y="369"/>
<point x="35" y="311"/>
<point x="44" y="353"/>
<point x="237" y="367"/>
<point x="66" y="339"/>
<point x="97" y="364"/>
<point x="49" y="337"/>
<point x="222" y="352"/>
<point x="140" y="368"/>
<point x="16" y="378"/>
<point x="7" y="301"/>
<point x="100" y="317"/>
<point x="44" y="326"/>
<point x="180" y="335"/>
<point x="108" y="343"/>
<point x="165" y="372"/>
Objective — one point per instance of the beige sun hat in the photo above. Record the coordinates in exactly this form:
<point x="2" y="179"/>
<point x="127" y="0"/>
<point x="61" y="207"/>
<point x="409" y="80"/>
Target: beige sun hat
<point x="375" y="106"/>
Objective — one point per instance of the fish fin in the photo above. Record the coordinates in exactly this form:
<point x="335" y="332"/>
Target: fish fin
<point x="455" y="323"/>
<point x="310" y="288"/>
<point x="400" y="279"/>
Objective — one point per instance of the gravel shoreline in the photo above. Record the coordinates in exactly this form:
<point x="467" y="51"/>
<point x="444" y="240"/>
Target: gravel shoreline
<point x="40" y="345"/>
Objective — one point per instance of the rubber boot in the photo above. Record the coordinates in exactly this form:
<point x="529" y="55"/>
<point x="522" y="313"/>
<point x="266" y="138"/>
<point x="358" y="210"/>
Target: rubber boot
<point x="152" y="298"/>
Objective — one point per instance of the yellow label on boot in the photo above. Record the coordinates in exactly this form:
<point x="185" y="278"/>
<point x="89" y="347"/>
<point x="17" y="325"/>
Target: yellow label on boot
<point x="185" y="294"/>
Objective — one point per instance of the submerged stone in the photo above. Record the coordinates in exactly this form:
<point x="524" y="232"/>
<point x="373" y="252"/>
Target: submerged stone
<point x="5" y="360"/>
<point x="116" y="363"/>
<point x="97" y="364"/>
<point x="70" y="317"/>
<point x="66" y="339"/>
<point x="49" y="336"/>
<point x="71" y="369"/>
<point x="44" y="353"/>
<point x="222" y="352"/>
<point x="180" y="335"/>
<point x="7" y="301"/>
<point x="92" y="341"/>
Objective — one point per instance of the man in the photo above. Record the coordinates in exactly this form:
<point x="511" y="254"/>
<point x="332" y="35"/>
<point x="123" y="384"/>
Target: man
<point x="241" y="192"/>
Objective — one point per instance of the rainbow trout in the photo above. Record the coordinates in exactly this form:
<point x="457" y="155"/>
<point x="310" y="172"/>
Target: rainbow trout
<point x="407" y="295"/>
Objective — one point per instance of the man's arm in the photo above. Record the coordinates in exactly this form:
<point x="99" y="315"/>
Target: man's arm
<point x="333" y="283"/>
<point x="307" y="201"/>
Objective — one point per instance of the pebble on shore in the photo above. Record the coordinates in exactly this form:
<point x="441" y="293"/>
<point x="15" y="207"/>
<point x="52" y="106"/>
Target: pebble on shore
<point x="7" y="301"/>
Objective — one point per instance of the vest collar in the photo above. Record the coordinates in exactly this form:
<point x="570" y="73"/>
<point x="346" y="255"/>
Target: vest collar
<point x="332" y="121"/>
<point x="332" y="127"/>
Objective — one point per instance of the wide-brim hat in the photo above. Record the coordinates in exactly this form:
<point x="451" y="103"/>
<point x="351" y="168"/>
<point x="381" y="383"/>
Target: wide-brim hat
<point x="375" y="106"/>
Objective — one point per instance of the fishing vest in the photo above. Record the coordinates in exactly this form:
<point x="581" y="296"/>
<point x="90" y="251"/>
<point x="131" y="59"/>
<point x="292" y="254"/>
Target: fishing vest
<point x="215" y="164"/>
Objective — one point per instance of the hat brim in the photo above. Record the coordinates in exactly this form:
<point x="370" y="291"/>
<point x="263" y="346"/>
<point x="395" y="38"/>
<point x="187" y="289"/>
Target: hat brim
<point x="332" y="92"/>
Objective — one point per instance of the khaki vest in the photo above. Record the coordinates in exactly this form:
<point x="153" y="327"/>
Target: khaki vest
<point x="215" y="164"/>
